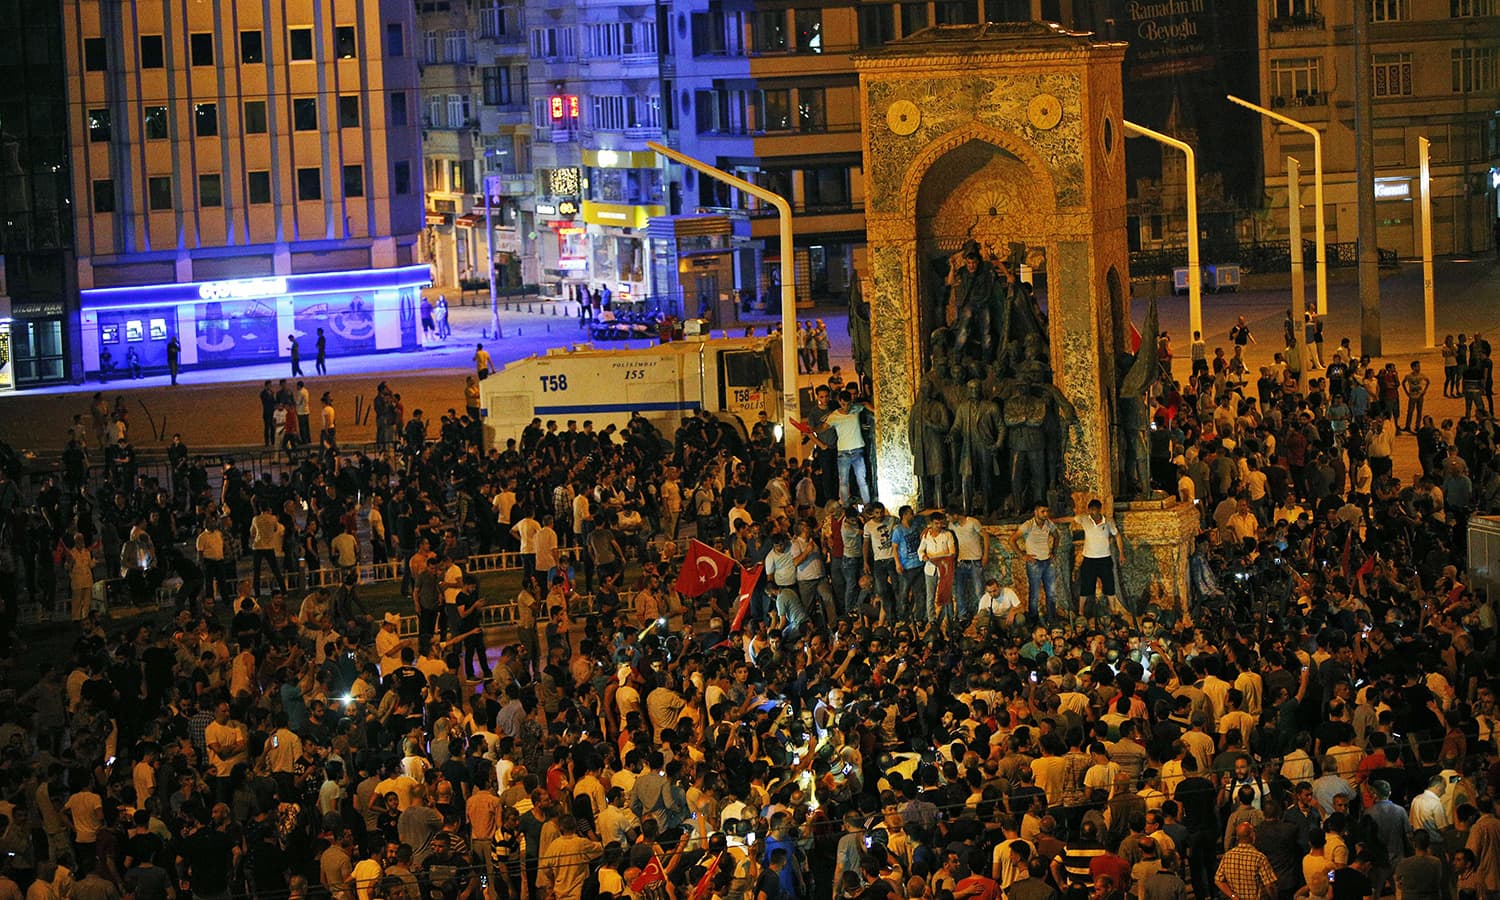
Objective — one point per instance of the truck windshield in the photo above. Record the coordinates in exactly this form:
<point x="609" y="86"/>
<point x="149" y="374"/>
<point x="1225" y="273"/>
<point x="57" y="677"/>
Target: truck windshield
<point x="745" y="370"/>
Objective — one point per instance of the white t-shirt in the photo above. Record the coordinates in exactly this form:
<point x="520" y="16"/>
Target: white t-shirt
<point x="503" y="503"/>
<point x="1000" y="606"/>
<point x="1096" y="537"/>
<point x="846" y="425"/>
<point x="878" y="533"/>
<point x="970" y="536"/>
<point x="525" y="531"/>
<point x="934" y="546"/>
<point x="580" y="513"/>
<point x="452" y="575"/>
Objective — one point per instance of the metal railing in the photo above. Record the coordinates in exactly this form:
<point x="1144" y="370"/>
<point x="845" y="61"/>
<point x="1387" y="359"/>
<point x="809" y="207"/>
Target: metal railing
<point x="1251" y="256"/>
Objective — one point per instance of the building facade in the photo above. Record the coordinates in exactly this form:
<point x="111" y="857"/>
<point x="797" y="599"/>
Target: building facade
<point x="223" y="153"/>
<point x="38" y="291"/>
<point x="1434" y="75"/>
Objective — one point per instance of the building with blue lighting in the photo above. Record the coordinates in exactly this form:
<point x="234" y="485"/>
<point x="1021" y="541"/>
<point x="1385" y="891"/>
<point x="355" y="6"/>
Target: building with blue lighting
<point x="245" y="174"/>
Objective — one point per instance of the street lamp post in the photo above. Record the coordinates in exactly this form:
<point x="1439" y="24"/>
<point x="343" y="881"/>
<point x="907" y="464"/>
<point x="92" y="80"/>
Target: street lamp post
<point x="1294" y="246"/>
<point x="789" y="404"/>
<point x="1194" y="264"/>
<point x="1318" y="224"/>
<point x="1424" y="153"/>
<point x="491" y="183"/>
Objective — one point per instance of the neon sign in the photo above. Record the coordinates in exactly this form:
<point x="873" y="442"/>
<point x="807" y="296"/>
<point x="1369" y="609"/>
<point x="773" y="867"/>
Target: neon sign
<point x="241" y="289"/>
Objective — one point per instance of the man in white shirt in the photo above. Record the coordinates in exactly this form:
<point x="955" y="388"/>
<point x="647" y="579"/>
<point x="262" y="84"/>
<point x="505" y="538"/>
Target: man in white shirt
<point x="1096" y="575"/>
<point x="998" y="605"/>
<point x="973" y="556"/>
<point x="851" y="446"/>
<point x="303" y="399"/>
<point x="210" y="545"/>
<point x="937" y="549"/>
<point x="544" y="545"/>
<point x="504" y="502"/>
<point x="266" y="533"/>
<point x="1036" y="541"/>
<point x="1427" y="808"/>
<point x="880" y="555"/>
<point x="524" y="532"/>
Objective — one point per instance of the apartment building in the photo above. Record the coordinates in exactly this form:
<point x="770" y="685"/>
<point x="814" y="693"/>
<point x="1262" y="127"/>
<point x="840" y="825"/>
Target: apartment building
<point x="246" y="175"/>
<point x="38" y="293"/>
<point x="1434" y="75"/>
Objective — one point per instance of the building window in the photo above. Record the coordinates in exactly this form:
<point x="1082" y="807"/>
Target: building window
<point x="398" y="108"/>
<point x="1389" y="10"/>
<point x="1292" y="78"/>
<point x="491" y="19"/>
<point x="349" y="111"/>
<point x="210" y="191"/>
<point x="305" y="114"/>
<point x="152" y="56"/>
<point x="401" y="177"/>
<point x="1473" y="69"/>
<point x="258" y="186"/>
<point x="205" y="119"/>
<point x="95" y="55"/>
<point x="430" y="47"/>
<point x="99" y="129"/>
<point x="913" y="18"/>
<point x="1462" y="9"/>
<point x="155" y="122"/>
<point x="1294" y="9"/>
<point x="104" y="195"/>
<point x="709" y="30"/>
<point x="301" y="40"/>
<point x="354" y="181"/>
<point x="1391" y="75"/>
<point x="456" y="45"/>
<point x="956" y="12"/>
<point x="826" y="187"/>
<point x="255" y="117"/>
<point x="201" y="48"/>
<point x="769" y="31"/>
<point x="459" y="111"/>
<point x="252" y="48"/>
<point x="159" y="192"/>
<point x="552" y="43"/>
<point x="344" y="44"/>
<point x="310" y="184"/>
<point x="778" y="106"/>
<point x="877" y="25"/>
<point x="395" y="41"/>
<point x="812" y="109"/>
<point x="1007" y="11"/>
<point x="640" y="37"/>
<point x="604" y="39"/>
<point x="809" y="24"/>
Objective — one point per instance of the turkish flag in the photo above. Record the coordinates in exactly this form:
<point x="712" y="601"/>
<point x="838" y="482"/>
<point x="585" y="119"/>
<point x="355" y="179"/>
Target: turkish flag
<point x="704" y="569"/>
<point x="748" y="578"/>
<point x="654" y="873"/>
<point x="1133" y="337"/>
<point x="705" y="886"/>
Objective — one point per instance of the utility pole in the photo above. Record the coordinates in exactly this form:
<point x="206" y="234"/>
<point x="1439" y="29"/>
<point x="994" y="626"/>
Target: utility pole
<point x="1364" y="184"/>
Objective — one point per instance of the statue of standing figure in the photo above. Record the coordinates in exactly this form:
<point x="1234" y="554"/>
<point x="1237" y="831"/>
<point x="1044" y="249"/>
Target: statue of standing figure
<point x="927" y="429"/>
<point x="1029" y="402"/>
<point x="1133" y="413"/>
<point x="977" y="431"/>
<point x="976" y="293"/>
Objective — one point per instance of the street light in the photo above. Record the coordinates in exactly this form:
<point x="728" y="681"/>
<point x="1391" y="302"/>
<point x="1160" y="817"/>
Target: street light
<point x="1194" y="266"/>
<point x="1294" y="247"/>
<point x="1318" y="224"/>
<point x="789" y="405"/>
<point x="491" y="186"/>
<point x="1424" y="162"/>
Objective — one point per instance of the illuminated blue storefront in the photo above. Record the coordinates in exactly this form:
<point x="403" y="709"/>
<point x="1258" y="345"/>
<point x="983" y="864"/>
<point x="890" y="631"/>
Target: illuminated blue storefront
<point x="245" y="321"/>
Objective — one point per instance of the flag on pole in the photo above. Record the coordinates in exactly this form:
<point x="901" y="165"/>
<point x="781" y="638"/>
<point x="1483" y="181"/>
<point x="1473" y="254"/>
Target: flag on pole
<point x="705" y="886"/>
<point x="651" y="884"/>
<point x="1133" y="338"/>
<point x="704" y="569"/>
<point x="748" y="578"/>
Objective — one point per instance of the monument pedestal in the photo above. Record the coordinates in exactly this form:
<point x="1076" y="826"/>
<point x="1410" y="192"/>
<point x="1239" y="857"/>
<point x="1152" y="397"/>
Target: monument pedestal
<point x="1158" y="537"/>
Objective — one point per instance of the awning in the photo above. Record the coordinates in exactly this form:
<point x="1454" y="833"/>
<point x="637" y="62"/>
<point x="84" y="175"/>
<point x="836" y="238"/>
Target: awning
<point x="681" y="226"/>
<point x="436" y="218"/>
<point x="468" y="221"/>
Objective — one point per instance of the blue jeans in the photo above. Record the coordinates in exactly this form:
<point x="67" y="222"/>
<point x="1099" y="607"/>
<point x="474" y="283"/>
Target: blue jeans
<point x="853" y="567"/>
<point x="1041" y="575"/>
<point x="968" y="581"/>
<point x="908" y="604"/>
<point x="852" y="462"/>
<point x="885" y="585"/>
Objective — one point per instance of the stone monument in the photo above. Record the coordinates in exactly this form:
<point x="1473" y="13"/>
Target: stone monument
<point x="989" y="148"/>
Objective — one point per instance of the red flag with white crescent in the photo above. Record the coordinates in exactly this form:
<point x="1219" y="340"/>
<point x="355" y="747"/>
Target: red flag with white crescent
<point x="705" y="886"/>
<point x="654" y="873"/>
<point x="748" y="579"/>
<point x="704" y="569"/>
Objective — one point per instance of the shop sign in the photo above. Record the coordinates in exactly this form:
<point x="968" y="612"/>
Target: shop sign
<point x="573" y="263"/>
<point x="242" y="289"/>
<point x="37" y="310"/>
<point x="7" y="378"/>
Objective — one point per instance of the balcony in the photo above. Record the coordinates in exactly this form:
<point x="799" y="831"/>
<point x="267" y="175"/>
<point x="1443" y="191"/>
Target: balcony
<point x="643" y="132"/>
<point x="509" y="44"/>
<point x="503" y="115"/>
<point x="1300" y="22"/>
<point x="510" y="184"/>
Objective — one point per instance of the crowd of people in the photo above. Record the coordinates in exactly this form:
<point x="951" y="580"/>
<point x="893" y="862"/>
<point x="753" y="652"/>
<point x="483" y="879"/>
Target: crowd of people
<point x="890" y="705"/>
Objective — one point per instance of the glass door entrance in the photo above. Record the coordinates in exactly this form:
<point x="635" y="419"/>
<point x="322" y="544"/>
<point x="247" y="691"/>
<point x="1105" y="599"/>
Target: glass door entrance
<point x="37" y="345"/>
